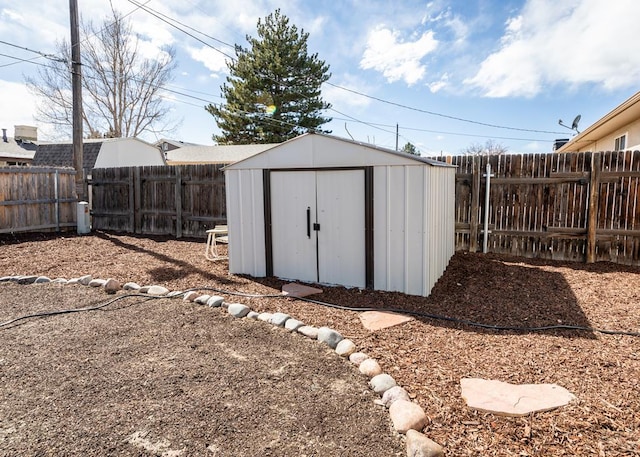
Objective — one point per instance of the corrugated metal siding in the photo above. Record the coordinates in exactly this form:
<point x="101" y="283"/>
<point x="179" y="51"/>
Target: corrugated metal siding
<point x="245" y="219"/>
<point x="413" y="227"/>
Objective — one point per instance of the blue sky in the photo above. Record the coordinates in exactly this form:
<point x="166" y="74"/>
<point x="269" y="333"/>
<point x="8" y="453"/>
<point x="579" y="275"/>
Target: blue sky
<point x="441" y="70"/>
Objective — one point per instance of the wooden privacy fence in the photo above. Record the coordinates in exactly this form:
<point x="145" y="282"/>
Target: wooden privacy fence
<point x="37" y="199"/>
<point x="570" y="206"/>
<point x="183" y="200"/>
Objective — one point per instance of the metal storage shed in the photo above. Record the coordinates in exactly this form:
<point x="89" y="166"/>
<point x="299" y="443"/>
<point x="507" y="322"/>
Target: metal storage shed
<point x="323" y="209"/>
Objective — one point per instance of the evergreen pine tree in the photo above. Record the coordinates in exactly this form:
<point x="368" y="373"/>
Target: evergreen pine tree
<point x="273" y="90"/>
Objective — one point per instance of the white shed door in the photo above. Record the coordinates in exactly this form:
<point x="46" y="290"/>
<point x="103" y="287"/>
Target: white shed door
<point x="293" y="247"/>
<point x="330" y="246"/>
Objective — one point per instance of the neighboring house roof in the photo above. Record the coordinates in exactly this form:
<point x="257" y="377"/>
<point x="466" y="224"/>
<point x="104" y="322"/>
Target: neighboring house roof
<point x="624" y="114"/>
<point x="311" y="149"/>
<point x="21" y="150"/>
<point x="61" y="154"/>
<point x="224" y="154"/>
<point x="167" y="145"/>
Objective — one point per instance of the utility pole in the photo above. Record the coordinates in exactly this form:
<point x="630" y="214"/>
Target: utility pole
<point x="76" y="86"/>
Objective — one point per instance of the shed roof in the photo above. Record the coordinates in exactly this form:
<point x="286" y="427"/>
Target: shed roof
<point x="61" y="154"/>
<point x="318" y="150"/>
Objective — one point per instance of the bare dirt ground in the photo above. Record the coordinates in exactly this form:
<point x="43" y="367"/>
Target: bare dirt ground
<point x="151" y="372"/>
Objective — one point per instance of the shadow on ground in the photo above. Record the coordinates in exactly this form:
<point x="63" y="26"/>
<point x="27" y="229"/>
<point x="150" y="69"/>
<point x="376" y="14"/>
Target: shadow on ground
<point x="493" y="291"/>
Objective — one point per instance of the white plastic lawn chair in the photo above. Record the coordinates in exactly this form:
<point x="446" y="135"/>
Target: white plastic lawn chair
<point x="218" y="234"/>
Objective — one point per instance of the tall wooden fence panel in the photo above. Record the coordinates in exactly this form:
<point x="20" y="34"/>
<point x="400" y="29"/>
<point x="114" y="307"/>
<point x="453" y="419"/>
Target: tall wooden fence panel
<point x="183" y="200"/>
<point x="37" y="199"/>
<point x="572" y="206"/>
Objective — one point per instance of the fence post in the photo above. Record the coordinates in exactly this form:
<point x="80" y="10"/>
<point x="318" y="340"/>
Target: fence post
<point x="137" y="200"/>
<point x="56" y="191"/>
<point x="178" y="195"/>
<point x="475" y="204"/>
<point x="132" y="201"/>
<point x="594" y="194"/>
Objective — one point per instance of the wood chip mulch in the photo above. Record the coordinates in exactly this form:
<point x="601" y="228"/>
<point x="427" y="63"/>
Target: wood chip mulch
<point x="429" y="355"/>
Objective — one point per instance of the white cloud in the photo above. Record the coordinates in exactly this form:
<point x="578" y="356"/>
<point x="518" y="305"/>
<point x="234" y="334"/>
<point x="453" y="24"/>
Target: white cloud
<point x="437" y="86"/>
<point x="213" y="60"/>
<point x="572" y="43"/>
<point x="396" y="59"/>
<point x="21" y="101"/>
<point x="451" y="21"/>
<point x="23" y="107"/>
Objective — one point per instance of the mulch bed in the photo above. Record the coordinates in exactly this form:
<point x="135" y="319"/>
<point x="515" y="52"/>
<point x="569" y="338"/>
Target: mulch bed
<point x="429" y="356"/>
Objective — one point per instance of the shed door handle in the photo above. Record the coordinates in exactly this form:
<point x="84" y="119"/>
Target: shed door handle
<point x="308" y="222"/>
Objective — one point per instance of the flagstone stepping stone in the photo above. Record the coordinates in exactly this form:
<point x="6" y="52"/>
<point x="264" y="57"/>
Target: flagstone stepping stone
<point x="514" y="400"/>
<point x="299" y="290"/>
<point x="376" y="320"/>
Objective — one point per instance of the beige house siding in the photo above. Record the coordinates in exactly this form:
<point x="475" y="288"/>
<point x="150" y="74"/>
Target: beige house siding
<point x="601" y="136"/>
<point x="607" y="143"/>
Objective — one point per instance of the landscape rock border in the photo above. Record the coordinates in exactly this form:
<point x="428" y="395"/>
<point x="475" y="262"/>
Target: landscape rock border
<point x="408" y="418"/>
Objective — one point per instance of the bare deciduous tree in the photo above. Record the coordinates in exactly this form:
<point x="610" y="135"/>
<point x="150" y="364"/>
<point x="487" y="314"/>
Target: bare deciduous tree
<point x="490" y="147"/>
<point x="121" y="89"/>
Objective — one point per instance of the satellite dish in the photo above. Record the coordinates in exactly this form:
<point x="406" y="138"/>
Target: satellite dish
<point x="574" y="125"/>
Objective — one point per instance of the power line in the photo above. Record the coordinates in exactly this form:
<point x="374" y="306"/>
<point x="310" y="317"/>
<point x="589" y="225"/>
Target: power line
<point x="41" y="54"/>
<point x="149" y="10"/>
<point x="19" y="60"/>
<point x="157" y="15"/>
<point x="433" y="113"/>
<point x="415" y="129"/>
<point x="165" y="18"/>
